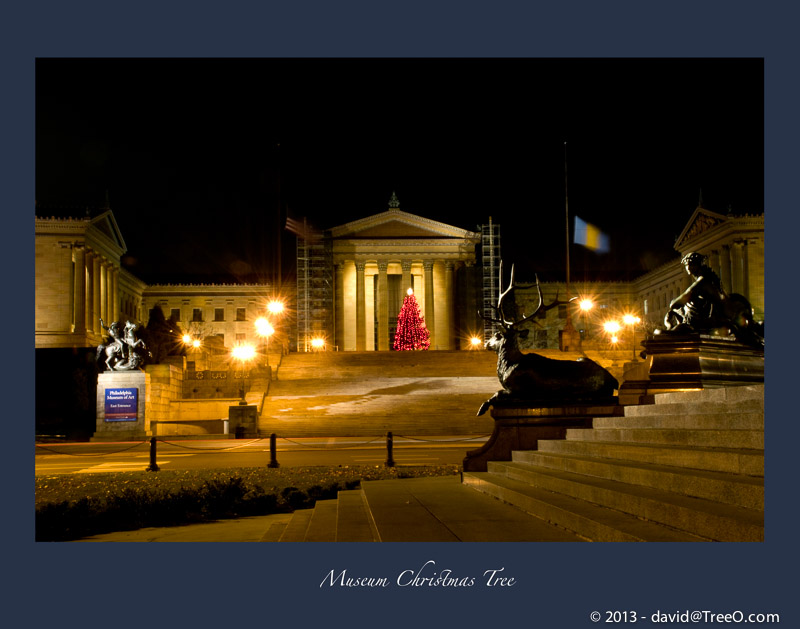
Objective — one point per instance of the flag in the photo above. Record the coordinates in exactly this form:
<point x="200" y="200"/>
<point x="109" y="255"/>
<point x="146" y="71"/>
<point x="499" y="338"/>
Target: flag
<point x="298" y="228"/>
<point x="590" y="236"/>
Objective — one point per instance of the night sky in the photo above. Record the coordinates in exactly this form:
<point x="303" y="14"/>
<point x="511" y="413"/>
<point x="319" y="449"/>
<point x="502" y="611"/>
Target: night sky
<point x="202" y="159"/>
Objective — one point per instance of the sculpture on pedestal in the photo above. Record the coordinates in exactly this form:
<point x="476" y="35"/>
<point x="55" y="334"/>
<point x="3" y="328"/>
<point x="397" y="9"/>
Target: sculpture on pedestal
<point x="706" y="308"/>
<point x="531" y="378"/>
<point x="120" y="351"/>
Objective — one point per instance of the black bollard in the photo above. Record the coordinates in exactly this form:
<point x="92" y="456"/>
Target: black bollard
<point x="389" y="446"/>
<point x="273" y="454"/>
<point x="153" y="467"/>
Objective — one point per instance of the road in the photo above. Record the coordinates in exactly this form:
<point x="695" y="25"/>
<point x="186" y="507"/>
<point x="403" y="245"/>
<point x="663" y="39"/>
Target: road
<point x="84" y="458"/>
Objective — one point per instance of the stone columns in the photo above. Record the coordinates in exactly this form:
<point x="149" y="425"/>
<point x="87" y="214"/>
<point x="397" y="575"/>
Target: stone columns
<point x="737" y="268"/>
<point x="361" y="315"/>
<point x="755" y="276"/>
<point x="725" y="268"/>
<point x="449" y="301"/>
<point x="338" y="313"/>
<point x="406" y="266"/>
<point x="429" y="311"/>
<point x="383" y="307"/>
<point x="79" y="288"/>
<point x="97" y="282"/>
<point x="89" y="312"/>
<point x="114" y="293"/>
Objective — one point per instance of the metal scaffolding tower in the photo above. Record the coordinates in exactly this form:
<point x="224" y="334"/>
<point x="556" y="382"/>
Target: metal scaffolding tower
<point x="490" y="260"/>
<point x="314" y="288"/>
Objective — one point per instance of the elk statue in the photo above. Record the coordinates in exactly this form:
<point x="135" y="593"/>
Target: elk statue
<point x="535" y="378"/>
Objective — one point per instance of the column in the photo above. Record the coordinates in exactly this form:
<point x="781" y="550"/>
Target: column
<point x="115" y="293"/>
<point x="430" y="320"/>
<point x="725" y="267"/>
<point x="89" y="312"/>
<point x="361" y="316"/>
<point x="449" y="289"/>
<point x="755" y="276"/>
<point x="338" y="313"/>
<point x="383" y="307"/>
<point x="737" y="268"/>
<point x="97" y="271"/>
<point x="406" y="266"/>
<point x="79" y="286"/>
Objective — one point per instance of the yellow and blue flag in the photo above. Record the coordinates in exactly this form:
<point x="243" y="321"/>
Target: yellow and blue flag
<point x="590" y="236"/>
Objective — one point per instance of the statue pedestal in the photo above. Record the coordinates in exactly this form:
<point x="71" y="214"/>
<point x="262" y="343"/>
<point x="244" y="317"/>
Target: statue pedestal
<point x="243" y="420"/>
<point x="699" y="361"/>
<point x="520" y="428"/>
<point x="121" y="402"/>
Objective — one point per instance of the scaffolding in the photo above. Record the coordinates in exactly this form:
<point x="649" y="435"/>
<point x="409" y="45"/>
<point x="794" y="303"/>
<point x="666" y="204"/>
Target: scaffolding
<point x="490" y="261"/>
<point x="314" y="289"/>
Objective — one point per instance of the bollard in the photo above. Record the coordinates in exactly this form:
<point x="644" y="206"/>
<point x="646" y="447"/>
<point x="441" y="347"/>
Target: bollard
<point x="273" y="456"/>
<point x="389" y="446"/>
<point x="153" y="467"/>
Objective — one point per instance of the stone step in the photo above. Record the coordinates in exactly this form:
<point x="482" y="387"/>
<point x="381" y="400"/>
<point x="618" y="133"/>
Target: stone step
<point x="322" y="526"/>
<point x="589" y="521"/>
<point x="704" y="518"/>
<point x="727" y="395"/>
<point x="442" y="509"/>
<point x="749" y="462"/>
<point x="677" y="437"/>
<point x="686" y="408"/>
<point x="734" y="489"/>
<point x="295" y="530"/>
<point x="746" y="420"/>
<point x="354" y="522"/>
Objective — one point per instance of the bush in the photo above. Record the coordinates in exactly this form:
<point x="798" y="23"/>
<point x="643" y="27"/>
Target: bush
<point x="75" y="506"/>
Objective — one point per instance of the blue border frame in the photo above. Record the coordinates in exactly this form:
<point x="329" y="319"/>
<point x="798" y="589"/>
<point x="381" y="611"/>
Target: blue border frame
<point x="558" y="584"/>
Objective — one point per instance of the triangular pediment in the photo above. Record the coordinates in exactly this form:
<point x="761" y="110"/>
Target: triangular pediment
<point x="398" y="224"/>
<point x="106" y="224"/>
<point x="701" y="221"/>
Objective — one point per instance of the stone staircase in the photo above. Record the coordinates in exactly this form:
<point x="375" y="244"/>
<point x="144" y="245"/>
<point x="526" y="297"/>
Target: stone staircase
<point x="688" y="468"/>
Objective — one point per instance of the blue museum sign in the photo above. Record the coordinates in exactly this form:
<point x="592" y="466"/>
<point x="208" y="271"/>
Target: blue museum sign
<point x="122" y="405"/>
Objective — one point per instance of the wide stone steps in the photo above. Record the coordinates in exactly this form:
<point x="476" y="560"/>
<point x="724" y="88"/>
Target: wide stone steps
<point x="691" y="463"/>
<point x="733" y="489"/>
<point x="416" y="510"/>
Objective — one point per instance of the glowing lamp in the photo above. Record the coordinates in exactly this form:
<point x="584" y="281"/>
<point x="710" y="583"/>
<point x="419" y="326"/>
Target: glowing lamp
<point x="196" y="343"/>
<point x="586" y="304"/>
<point x="275" y="307"/>
<point x="475" y="341"/>
<point x="317" y="343"/>
<point x="612" y="327"/>
<point x="264" y="327"/>
<point x="187" y="339"/>
<point x="244" y="352"/>
<point x="410" y="291"/>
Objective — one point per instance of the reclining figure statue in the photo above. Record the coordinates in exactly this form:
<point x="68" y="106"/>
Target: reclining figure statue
<point x="706" y="308"/>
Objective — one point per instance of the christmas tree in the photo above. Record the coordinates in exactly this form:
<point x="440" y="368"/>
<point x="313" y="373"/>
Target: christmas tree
<point x="411" y="331"/>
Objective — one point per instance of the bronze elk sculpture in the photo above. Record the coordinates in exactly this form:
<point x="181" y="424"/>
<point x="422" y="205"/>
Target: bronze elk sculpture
<point x="532" y="378"/>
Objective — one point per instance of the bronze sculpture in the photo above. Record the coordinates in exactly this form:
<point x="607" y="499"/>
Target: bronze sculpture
<point x="531" y="378"/>
<point x="706" y="308"/>
<point x="120" y="352"/>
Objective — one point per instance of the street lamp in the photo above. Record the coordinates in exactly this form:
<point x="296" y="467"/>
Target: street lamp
<point x="275" y="307"/>
<point x="585" y="305"/>
<point x="611" y="328"/>
<point x="633" y="321"/>
<point x="265" y="330"/>
<point x="243" y="353"/>
<point x="475" y="342"/>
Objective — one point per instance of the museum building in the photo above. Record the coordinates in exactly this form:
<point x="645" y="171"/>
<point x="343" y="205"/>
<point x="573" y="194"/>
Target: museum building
<point x="352" y="278"/>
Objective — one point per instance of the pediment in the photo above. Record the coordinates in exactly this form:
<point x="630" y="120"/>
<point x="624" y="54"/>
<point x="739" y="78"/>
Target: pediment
<point x="396" y="224"/>
<point x="701" y="221"/>
<point x="106" y="225"/>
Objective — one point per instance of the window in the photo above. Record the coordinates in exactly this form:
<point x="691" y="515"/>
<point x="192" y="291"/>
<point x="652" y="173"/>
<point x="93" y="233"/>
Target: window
<point x="241" y="314"/>
<point x="197" y="314"/>
<point x="219" y="314"/>
<point x="241" y="337"/>
<point x="175" y="314"/>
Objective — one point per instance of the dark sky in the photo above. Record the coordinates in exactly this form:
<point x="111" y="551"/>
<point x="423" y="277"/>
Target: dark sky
<point x="202" y="159"/>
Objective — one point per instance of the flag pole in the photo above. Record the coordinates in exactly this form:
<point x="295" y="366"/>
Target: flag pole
<point x="566" y="216"/>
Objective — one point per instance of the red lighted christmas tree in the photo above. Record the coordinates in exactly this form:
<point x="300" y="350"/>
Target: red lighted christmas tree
<point x="411" y="331"/>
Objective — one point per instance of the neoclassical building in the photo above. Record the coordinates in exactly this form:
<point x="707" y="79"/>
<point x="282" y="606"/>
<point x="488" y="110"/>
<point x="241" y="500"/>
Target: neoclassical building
<point x="352" y="279"/>
<point x="377" y="259"/>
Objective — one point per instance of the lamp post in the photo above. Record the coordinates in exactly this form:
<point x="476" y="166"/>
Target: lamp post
<point x="243" y="353"/>
<point x="585" y="305"/>
<point x="265" y="330"/>
<point x="632" y="320"/>
<point x="611" y="328"/>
